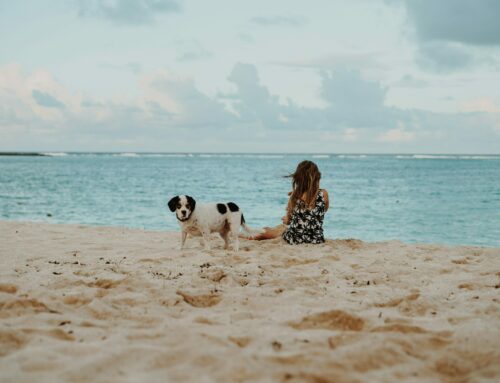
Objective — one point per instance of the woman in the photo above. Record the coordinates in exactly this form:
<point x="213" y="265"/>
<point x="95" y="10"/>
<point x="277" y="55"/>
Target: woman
<point x="307" y="205"/>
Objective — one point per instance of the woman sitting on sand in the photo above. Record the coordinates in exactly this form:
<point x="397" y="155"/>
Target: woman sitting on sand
<point x="307" y="205"/>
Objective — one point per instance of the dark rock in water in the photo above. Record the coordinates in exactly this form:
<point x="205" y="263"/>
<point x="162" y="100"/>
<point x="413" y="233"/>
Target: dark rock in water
<point x="49" y="215"/>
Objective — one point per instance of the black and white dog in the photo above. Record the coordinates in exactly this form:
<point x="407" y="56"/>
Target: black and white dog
<point x="202" y="219"/>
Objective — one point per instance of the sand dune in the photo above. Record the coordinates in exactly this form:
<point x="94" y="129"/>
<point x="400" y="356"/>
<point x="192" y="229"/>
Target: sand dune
<point x="80" y="304"/>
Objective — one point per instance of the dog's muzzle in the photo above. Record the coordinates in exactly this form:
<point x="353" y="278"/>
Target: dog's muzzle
<point x="182" y="219"/>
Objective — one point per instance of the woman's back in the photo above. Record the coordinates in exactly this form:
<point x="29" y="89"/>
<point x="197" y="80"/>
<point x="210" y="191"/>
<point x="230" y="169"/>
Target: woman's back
<point x="306" y="225"/>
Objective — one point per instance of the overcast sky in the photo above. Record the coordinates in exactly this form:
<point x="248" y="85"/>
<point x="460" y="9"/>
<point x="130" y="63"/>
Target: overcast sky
<point x="388" y="76"/>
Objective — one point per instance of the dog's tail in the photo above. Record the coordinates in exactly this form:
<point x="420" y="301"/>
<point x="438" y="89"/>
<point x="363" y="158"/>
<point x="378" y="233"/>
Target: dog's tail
<point x="248" y="229"/>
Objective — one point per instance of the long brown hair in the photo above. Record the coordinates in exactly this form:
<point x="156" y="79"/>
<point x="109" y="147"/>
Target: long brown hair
<point x="305" y="180"/>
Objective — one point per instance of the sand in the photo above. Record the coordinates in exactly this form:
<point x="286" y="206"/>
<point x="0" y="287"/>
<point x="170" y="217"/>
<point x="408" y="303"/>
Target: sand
<point x="95" y="304"/>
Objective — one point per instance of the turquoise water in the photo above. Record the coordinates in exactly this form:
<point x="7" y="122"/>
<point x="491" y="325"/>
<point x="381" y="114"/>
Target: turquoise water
<point x="413" y="198"/>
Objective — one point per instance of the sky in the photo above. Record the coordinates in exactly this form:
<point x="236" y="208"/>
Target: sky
<point x="319" y="76"/>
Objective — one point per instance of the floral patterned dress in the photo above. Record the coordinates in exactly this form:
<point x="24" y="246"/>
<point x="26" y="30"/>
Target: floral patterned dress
<point x="306" y="225"/>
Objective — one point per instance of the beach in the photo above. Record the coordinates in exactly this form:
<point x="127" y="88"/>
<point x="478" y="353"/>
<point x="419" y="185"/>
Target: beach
<point x="108" y="304"/>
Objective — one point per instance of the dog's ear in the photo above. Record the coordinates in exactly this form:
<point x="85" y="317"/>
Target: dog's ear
<point x="191" y="202"/>
<point x="172" y="204"/>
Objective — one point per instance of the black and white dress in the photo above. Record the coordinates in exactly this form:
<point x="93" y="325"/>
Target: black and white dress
<point x="306" y="225"/>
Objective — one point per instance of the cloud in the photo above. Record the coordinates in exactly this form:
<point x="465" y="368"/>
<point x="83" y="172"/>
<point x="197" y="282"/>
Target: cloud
<point x="131" y="66"/>
<point x="272" y="21"/>
<point x="171" y="114"/>
<point x="483" y="104"/>
<point x="192" y="56"/>
<point x="352" y="60"/>
<point x="187" y="106"/>
<point x="354" y="101"/>
<point x="409" y="81"/>
<point x="350" y="135"/>
<point x="454" y="35"/>
<point x="254" y="103"/>
<point x="195" y="52"/>
<point x="45" y="99"/>
<point x="443" y="57"/>
<point x="462" y="21"/>
<point x="399" y="134"/>
<point x="246" y="38"/>
<point x="127" y="12"/>
<point x="345" y="89"/>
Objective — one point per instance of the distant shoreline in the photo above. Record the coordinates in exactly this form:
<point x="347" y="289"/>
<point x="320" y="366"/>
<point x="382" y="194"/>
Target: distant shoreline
<point x="28" y="154"/>
<point x="209" y="154"/>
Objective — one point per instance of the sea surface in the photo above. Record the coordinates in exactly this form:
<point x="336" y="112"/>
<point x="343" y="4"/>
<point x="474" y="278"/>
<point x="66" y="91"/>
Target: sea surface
<point x="446" y="199"/>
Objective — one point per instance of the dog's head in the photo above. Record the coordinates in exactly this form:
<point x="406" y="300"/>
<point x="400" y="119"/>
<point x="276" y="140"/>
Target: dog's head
<point x="183" y="205"/>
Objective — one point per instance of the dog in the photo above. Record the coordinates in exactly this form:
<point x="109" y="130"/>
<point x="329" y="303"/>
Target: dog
<point x="202" y="219"/>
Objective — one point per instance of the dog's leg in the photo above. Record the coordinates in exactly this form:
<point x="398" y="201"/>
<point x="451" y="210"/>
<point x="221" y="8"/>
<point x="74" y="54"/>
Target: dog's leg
<point x="183" y="239"/>
<point x="225" y="237"/>
<point x="206" y="239"/>
<point x="236" y="241"/>
<point x="234" y="231"/>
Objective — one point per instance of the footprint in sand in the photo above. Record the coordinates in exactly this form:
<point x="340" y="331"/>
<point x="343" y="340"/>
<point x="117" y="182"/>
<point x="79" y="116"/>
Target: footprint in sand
<point x="76" y="300"/>
<point x="105" y="283"/>
<point x="213" y="274"/>
<point x="11" y="340"/>
<point x="241" y="341"/>
<point x="397" y="301"/>
<point x="242" y="278"/>
<point x="457" y="365"/>
<point x="409" y="305"/>
<point x="200" y="300"/>
<point x="461" y="261"/>
<point x="55" y="333"/>
<point x="468" y="286"/>
<point x="17" y="307"/>
<point x="149" y="260"/>
<point x="205" y="320"/>
<point x="343" y="339"/>
<point x="330" y="320"/>
<point x="8" y="288"/>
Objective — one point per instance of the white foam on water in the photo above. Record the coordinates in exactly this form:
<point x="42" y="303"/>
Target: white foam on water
<point x="432" y="156"/>
<point x="479" y="157"/>
<point x="263" y="156"/>
<point x="447" y="157"/>
<point x="172" y="155"/>
<point x="55" y="154"/>
<point x="127" y="155"/>
<point x="320" y="156"/>
<point x="269" y="156"/>
<point x="352" y="156"/>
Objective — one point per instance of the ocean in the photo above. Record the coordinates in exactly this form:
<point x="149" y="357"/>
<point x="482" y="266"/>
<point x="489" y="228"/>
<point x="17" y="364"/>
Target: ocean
<point x="445" y="199"/>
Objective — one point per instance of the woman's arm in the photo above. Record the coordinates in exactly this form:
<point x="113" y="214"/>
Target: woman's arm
<point x="286" y="218"/>
<point x="327" y="199"/>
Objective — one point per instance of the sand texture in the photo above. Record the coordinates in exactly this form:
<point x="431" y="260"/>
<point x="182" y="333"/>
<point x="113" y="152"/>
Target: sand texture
<point x="87" y="304"/>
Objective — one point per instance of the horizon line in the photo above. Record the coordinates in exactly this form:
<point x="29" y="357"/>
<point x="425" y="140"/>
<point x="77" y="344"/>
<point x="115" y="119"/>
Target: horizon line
<point x="43" y="152"/>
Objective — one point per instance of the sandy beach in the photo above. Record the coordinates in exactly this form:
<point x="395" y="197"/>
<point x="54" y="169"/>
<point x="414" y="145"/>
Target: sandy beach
<point x="95" y="304"/>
